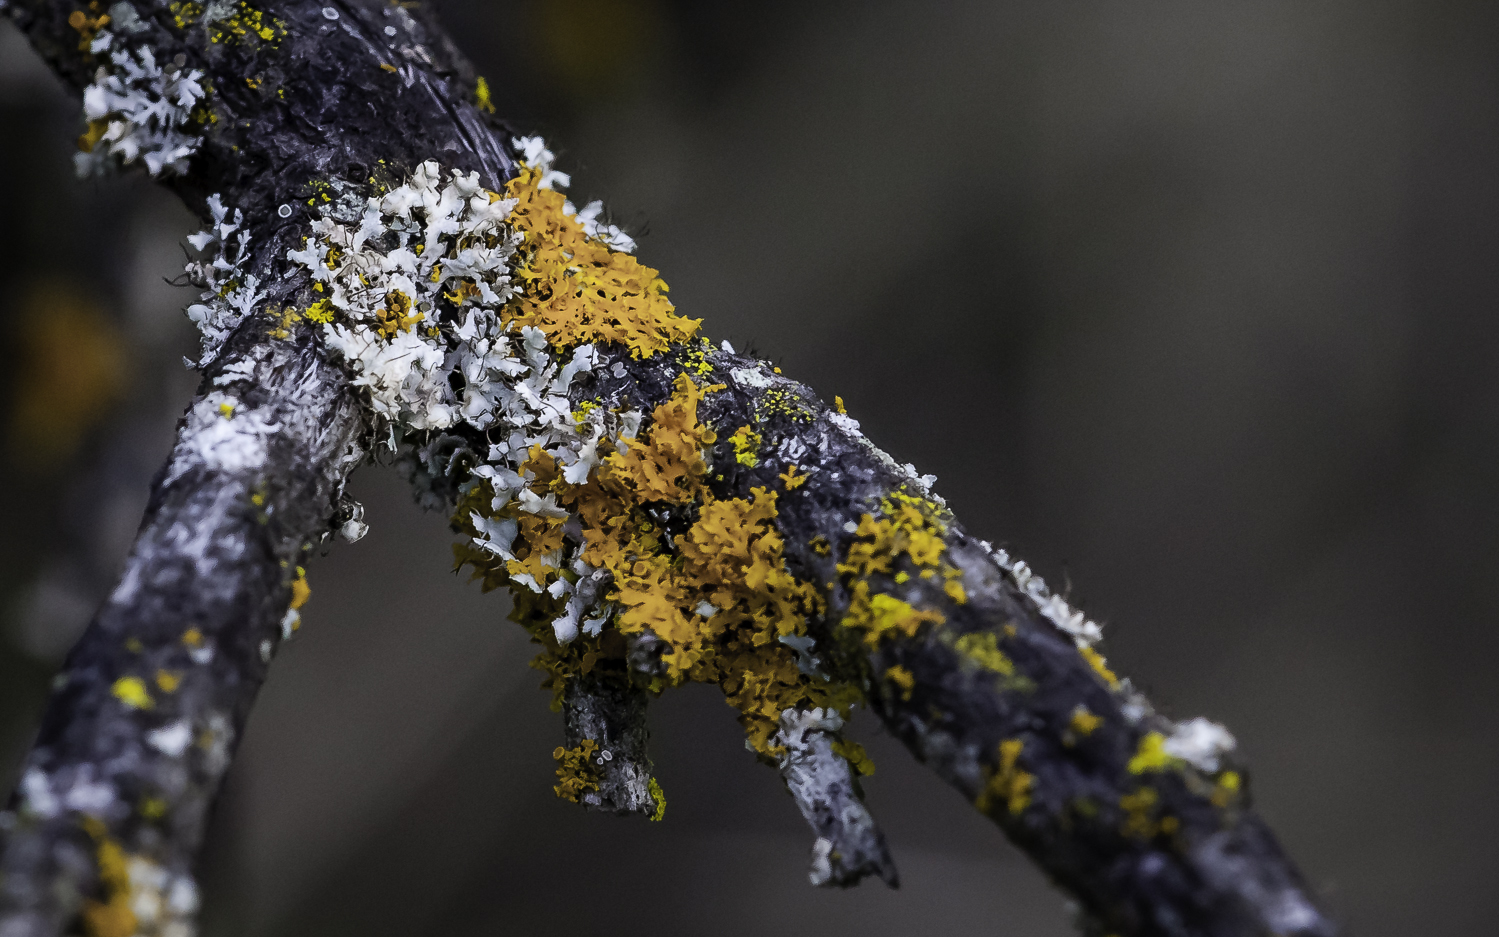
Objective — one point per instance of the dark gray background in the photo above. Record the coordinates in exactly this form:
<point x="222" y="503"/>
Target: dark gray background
<point x="1192" y="304"/>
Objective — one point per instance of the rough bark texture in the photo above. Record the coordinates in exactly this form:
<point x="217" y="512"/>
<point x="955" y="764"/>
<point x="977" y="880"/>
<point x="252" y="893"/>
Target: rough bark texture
<point x="612" y="713"/>
<point x="330" y="104"/>
<point x="117" y="791"/>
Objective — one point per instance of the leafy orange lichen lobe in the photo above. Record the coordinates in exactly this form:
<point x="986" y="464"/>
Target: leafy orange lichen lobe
<point x="577" y="288"/>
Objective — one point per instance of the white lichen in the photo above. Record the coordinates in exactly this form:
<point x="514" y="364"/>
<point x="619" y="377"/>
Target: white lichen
<point x="409" y="288"/>
<point x="139" y="110"/>
<point x="230" y="292"/>
<point x="1201" y="743"/>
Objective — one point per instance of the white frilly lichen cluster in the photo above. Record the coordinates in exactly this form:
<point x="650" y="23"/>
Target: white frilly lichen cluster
<point x="138" y="110"/>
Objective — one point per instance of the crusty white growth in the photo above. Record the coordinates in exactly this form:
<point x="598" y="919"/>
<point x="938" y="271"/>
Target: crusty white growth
<point x="148" y="108"/>
<point x="1201" y="743"/>
<point x="821" y="783"/>
<point x="1086" y="633"/>
<point x="220" y="436"/>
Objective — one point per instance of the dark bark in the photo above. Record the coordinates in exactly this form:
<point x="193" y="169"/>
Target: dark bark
<point x="318" y="113"/>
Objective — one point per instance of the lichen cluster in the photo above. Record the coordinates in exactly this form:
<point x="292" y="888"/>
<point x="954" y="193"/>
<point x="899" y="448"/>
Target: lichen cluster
<point x="481" y="326"/>
<point x="137" y="109"/>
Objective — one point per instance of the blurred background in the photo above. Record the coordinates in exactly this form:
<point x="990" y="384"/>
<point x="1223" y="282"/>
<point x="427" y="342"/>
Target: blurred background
<point x="1192" y="305"/>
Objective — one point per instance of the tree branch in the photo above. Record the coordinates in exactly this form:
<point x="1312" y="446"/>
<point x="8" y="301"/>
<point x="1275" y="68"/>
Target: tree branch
<point x="385" y="273"/>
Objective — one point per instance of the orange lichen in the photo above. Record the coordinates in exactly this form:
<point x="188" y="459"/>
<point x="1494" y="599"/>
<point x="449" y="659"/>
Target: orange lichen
<point x="576" y="288"/>
<point x="576" y="772"/>
<point x="113" y="916"/>
<point x="717" y="594"/>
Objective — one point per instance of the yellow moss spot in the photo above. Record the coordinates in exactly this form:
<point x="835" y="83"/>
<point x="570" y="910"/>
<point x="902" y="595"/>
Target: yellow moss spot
<point x="132" y="692"/>
<point x="982" y="647"/>
<point x="168" y="681"/>
<point x="1099" y="665"/>
<point x="192" y="637"/>
<point x="386" y="66"/>
<point x="820" y="546"/>
<point x="576" y="288"/>
<point x="226" y="410"/>
<point x="1227" y="789"/>
<point x="576" y="772"/>
<point x="659" y="797"/>
<point x="1151" y="755"/>
<point x="791" y="480"/>
<point x="1007" y="784"/>
<point x="258" y="499"/>
<point x="481" y="95"/>
<point x="838" y="404"/>
<point x="902" y="678"/>
<point x="746" y="443"/>
<point x="300" y="590"/>
<point x="1084" y="722"/>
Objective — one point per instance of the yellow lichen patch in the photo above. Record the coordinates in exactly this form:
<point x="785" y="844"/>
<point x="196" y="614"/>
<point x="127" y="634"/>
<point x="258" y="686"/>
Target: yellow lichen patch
<point x="665" y="464"/>
<point x="88" y="26"/>
<point x="880" y="615"/>
<point x="855" y="755"/>
<point x="285" y="319"/>
<point x="1151" y="755"/>
<point x="133" y="693"/>
<point x="982" y="647"/>
<point x="1226" y="791"/>
<point x="1139" y="813"/>
<point x="482" y="97"/>
<point x="576" y="772"/>
<point x="1099" y="665"/>
<point x="658" y="796"/>
<point x="300" y="590"/>
<point x="717" y="594"/>
<point x="192" y="637"/>
<point x="167" y="681"/>
<point x="903" y="679"/>
<point x="152" y="808"/>
<point x="113" y="916"/>
<point x="782" y="403"/>
<point x="576" y="288"/>
<point x="792" y="480"/>
<point x="396" y="315"/>
<point x="746" y="443"/>
<point x="1084" y="722"/>
<point x="1008" y="783"/>
<point x="838" y="404"/>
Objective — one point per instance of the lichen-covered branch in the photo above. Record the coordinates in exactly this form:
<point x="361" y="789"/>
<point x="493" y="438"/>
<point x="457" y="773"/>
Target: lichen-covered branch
<point x="663" y="510"/>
